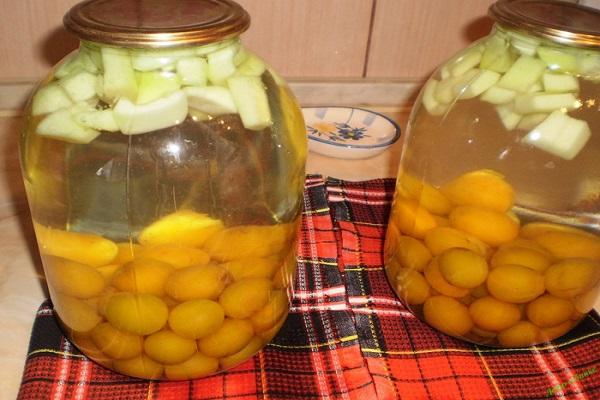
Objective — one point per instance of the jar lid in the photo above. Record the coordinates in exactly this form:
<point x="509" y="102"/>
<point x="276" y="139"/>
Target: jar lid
<point x="156" y="23"/>
<point x="559" y="21"/>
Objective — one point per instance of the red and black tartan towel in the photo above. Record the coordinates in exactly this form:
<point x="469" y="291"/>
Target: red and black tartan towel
<point x="347" y="336"/>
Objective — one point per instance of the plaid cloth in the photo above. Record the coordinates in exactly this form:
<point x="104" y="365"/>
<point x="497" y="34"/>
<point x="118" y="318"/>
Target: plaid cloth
<point x="347" y="336"/>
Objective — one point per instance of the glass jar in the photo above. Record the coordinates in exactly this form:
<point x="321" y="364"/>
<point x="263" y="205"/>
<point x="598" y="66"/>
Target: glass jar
<point x="494" y="233"/>
<point x="164" y="167"/>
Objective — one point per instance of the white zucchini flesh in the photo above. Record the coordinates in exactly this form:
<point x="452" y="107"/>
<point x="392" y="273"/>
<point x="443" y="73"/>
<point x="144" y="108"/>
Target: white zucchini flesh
<point x="545" y="102"/>
<point x="61" y="125"/>
<point x="432" y="106"/>
<point x="523" y="74"/>
<point x="153" y="85"/>
<point x="221" y="65"/>
<point x="560" y="135"/>
<point x="80" y="85"/>
<point x="211" y="100"/>
<point x="498" y="95"/>
<point x="193" y="71"/>
<point x="560" y="83"/>
<point x="481" y="82"/>
<point x="102" y="120"/>
<point x="134" y="119"/>
<point x="119" y="76"/>
<point x="49" y="98"/>
<point x="509" y="118"/>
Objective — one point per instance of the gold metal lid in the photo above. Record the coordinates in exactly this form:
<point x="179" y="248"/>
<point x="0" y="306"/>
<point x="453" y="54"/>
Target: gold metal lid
<point x="559" y="21"/>
<point x="156" y="23"/>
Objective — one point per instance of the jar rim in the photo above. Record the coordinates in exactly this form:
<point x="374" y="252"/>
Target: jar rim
<point x="559" y="21"/>
<point x="156" y="23"/>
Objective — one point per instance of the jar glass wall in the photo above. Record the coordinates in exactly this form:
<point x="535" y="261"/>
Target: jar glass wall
<point x="165" y="189"/>
<point x="494" y="234"/>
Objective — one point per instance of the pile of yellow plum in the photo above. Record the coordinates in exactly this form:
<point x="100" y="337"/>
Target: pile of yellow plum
<point x="190" y="298"/>
<point x="461" y="260"/>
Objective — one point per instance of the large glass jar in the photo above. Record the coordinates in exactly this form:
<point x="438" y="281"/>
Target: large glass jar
<point x="164" y="167"/>
<point x="494" y="233"/>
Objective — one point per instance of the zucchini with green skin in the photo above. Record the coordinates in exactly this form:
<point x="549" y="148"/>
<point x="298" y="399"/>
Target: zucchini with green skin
<point x="82" y="60"/>
<point x="497" y="55"/>
<point x="101" y="120"/>
<point x="221" y="65"/>
<point x="80" y="85"/>
<point x="557" y="59"/>
<point x="134" y="119"/>
<point x="119" y="76"/>
<point x="475" y="86"/>
<point x="250" y="98"/>
<point x="432" y="106"/>
<point x="522" y="74"/>
<point x="62" y="125"/>
<point x="49" y="98"/>
<point x="153" y="85"/>
<point x="152" y="60"/>
<point x="193" y="71"/>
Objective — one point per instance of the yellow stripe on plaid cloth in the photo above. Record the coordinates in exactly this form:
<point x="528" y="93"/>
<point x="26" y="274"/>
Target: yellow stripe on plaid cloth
<point x="57" y="352"/>
<point x="486" y="351"/>
<point x="489" y="373"/>
<point x="317" y="345"/>
<point x="313" y="212"/>
<point x="319" y="262"/>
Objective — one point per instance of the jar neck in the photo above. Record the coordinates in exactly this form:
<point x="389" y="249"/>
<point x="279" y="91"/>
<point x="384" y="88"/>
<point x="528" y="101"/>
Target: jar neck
<point x="200" y="49"/>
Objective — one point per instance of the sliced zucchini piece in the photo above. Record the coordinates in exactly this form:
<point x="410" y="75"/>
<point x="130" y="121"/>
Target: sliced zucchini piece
<point x="498" y="95"/>
<point x="253" y="66"/>
<point x="545" y="102"/>
<point x="481" y="82"/>
<point x="193" y="71"/>
<point x="153" y="85"/>
<point x="250" y="98"/>
<point x="522" y="74"/>
<point x="209" y="48"/>
<point x="168" y="111"/>
<point x="560" y="83"/>
<point x="497" y="55"/>
<point x="448" y="89"/>
<point x="102" y="120"/>
<point x="559" y="134"/>
<point x="508" y="116"/>
<point x="212" y="100"/>
<point x="61" y="125"/>
<point x="151" y="60"/>
<point x="49" y="98"/>
<point x="80" y="85"/>
<point x="432" y="106"/>
<point x="536" y="88"/>
<point x="588" y="65"/>
<point x="470" y="60"/>
<point x="221" y="65"/>
<point x="525" y="45"/>
<point x="444" y="72"/>
<point x="530" y="121"/>
<point x="78" y="61"/>
<point x="119" y="77"/>
<point x="557" y="59"/>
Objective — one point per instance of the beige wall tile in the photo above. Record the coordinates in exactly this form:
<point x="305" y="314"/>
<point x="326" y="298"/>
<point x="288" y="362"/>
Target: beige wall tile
<point x="307" y="38"/>
<point x="310" y="38"/>
<point x="410" y="38"/>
